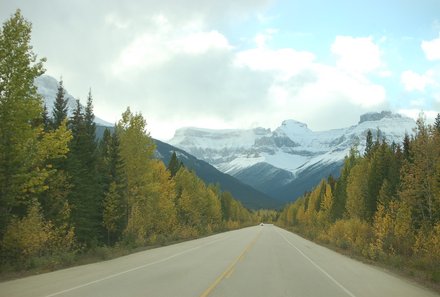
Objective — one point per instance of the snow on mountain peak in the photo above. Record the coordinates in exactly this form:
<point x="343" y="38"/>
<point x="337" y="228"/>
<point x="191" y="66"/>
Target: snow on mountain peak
<point x="292" y="146"/>
<point x="377" y="116"/>
<point x="294" y="125"/>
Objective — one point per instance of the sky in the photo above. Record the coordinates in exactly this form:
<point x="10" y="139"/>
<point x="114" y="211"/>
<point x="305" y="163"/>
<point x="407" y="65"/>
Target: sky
<point x="244" y="63"/>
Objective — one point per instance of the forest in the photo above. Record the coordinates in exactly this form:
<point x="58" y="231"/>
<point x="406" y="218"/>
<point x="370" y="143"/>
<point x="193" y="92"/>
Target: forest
<point x="385" y="206"/>
<point x="64" y="193"/>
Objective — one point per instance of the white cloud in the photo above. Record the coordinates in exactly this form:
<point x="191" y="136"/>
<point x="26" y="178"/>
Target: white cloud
<point x="200" y="42"/>
<point x="163" y="41"/>
<point x="357" y="54"/>
<point x="431" y="49"/>
<point x="333" y="88"/>
<point x="116" y="21"/>
<point x="262" y="38"/>
<point x="303" y="88"/>
<point x="284" y="62"/>
<point x="413" y="81"/>
<point x="415" y="113"/>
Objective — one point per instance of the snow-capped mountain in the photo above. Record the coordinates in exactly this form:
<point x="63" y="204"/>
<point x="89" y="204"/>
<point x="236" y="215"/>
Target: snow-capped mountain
<point x="273" y="161"/>
<point x="47" y="86"/>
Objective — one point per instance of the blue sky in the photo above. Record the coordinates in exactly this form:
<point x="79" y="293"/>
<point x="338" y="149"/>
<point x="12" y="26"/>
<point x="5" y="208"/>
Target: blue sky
<point x="242" y="63"/>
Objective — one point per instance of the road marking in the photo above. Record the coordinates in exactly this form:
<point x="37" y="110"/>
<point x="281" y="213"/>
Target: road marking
<point x="318" y="267"/>
<point x="135" y="268"/>
<point x="228" y="272"/>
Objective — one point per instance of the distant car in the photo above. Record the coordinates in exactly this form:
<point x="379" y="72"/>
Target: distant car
<point x="261" y="224"/>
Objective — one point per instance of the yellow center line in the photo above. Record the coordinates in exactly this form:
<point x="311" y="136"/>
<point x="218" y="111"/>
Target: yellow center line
<point x="230" y="269"/>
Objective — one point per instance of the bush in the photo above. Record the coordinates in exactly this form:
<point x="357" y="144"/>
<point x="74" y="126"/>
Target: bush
<point x="353" y="234"/>
<point x="29" y="241"/>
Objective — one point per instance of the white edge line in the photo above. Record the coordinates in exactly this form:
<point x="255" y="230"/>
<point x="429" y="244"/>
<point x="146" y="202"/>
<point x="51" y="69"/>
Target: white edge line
<point x="318" y="267"/>
<point x="134" y="269"/>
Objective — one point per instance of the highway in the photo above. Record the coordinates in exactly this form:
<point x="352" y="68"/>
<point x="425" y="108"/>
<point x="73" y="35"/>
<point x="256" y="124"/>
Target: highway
<point x="255" y="261"/>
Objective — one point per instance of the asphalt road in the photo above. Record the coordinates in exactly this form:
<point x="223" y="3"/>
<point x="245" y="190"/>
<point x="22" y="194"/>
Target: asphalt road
<point x="256" y="261"/>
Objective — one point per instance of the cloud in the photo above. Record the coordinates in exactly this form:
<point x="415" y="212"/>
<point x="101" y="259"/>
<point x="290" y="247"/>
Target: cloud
<point x="285" y="62"/>
<point x="179" y="63"/>
<point x="357" y="54"/>
<point x="302" y="87"/>
<point x="431" y="49"/>
<point x="413" y="81"/>
<point x="164" y="40"/>
<point x="415" y="113"/>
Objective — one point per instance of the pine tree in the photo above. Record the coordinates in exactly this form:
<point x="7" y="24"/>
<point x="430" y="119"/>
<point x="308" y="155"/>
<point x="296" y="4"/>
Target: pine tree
<point x="90" y="126"/>
<point x="59" y="112"/>
<point x="174" y="164"/>
<point x="368" y="144"/>
<point x="420" y="178"/>
<point x="340" y="194"/>
<point x="437" y="123"/>
<point x="407" y="148"/>
<point x="47" y="123"/>
<point x="86" y="196"/>
<point x="113" y="186"/>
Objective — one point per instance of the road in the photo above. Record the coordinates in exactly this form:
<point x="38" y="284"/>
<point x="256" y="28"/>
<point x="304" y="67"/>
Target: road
<point x="256" y="261"/>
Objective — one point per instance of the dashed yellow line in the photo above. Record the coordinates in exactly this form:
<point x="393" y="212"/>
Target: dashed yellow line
<point x="231" y="268"/>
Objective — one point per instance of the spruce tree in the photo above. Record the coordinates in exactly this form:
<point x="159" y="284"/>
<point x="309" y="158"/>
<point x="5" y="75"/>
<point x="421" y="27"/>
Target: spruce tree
<point x="59" y="112"/>
<point x="437" y="123"/>
<point x="89" y="121"/>
<point x="113" y="185"/>
<point x="47" y="123"/>
<point x="85" y="196"/>
<point x="174" y="164"/>
<point x="407" y="148"/>
<point x="368" y="144"/>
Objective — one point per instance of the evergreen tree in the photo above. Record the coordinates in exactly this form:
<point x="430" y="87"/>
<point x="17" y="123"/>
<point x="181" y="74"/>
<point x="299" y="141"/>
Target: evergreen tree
<point x="47" y="123"/>
<point x="113" y="186"/>
<point x="420" y="178"/>
<point x="86" y="196"/>
<point x="407" y="148"/>
<point x="174" y="164"/>
<point x="368" y="144"/>
<point x="59" y="112"/>
<point x="437" y="123"/>
<point x="90" y="126"/>
<point x="340" y="194"/>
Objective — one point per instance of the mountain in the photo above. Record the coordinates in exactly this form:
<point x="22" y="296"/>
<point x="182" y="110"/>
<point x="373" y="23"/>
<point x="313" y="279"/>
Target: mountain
<point x="250" y="197"/>
<point x="290" y="160"/>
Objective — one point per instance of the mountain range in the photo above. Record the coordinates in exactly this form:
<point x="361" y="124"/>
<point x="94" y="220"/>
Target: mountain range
<point x="251" y="198"/>
<point x="260" y="167"/>
<point x="290" y="160"/>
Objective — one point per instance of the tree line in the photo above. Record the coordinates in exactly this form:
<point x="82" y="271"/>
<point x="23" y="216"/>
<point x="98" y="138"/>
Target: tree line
<point x="62" y="191"/>
<point x="384" y="206"/>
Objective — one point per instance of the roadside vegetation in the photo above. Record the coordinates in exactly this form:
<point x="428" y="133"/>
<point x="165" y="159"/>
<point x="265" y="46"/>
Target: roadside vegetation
<point x="384" y="207"/>
<point x="66" y="197"/>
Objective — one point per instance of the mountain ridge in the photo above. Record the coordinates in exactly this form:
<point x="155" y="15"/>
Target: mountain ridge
<point x="274" y="161"/>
